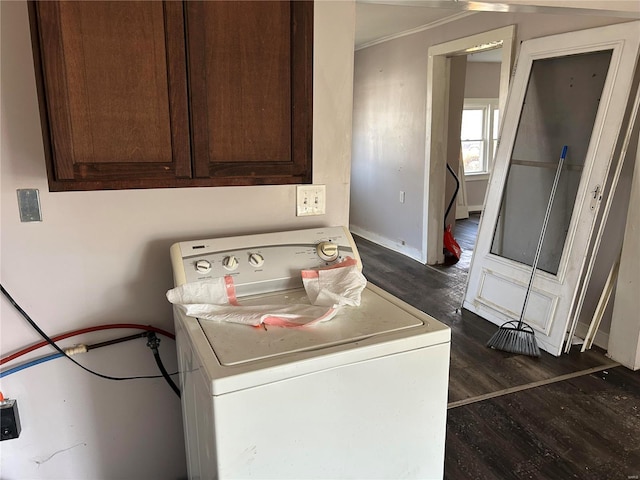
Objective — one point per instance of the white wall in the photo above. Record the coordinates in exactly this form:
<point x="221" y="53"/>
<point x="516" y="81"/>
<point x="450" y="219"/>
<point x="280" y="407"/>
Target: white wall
<point x="389" y="122"/>
<point x="624" y="338"/>
<point x="103" y="257"/>
<point x="482" y="80"/>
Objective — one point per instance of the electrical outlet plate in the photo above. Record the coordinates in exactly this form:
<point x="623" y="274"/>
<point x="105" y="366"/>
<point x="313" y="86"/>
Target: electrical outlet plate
<point x="9" y="420"/>
<point x="29" y="205"/>
<point x="311" y="200"/>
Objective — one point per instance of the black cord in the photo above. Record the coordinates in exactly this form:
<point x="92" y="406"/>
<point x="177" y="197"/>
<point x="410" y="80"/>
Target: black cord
<point x="153" y="343"/>
<point x="58" y="349"/>
<point x="115" y="341"/>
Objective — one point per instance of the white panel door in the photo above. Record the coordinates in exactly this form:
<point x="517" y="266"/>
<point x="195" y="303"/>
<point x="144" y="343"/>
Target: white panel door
<point x="570" y="89"/>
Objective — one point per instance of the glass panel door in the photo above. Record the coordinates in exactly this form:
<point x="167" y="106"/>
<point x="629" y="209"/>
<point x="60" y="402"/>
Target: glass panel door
<point x="569" y="89"/>
<point x="560" y="107"/>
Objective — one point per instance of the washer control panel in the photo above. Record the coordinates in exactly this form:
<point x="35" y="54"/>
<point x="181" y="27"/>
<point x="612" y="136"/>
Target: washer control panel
<point x="262" y="263"/>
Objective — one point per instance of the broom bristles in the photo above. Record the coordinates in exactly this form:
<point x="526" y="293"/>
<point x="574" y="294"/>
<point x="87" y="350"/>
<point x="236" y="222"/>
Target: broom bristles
<point x="515" y="339"/>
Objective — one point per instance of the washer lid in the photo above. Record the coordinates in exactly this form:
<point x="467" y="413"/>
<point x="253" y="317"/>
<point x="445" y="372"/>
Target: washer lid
<point x="378" y="315"/>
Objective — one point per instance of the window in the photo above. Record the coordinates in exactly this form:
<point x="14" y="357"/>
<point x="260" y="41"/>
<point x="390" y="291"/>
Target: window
<point x="479" y="134"/>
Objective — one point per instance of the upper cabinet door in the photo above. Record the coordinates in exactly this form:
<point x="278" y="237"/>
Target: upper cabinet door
<point x="250" y="82"/>
<point x="121" y="108"/>
<point x="114" y="107"/>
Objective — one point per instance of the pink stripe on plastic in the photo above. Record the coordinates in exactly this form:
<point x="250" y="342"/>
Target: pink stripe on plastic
<point x="275" y="321"/>
<point x="321" y="318"/>
<point x="231" y="290"/>
<point x="309" y="273"/>
<point x="347" y="262"/>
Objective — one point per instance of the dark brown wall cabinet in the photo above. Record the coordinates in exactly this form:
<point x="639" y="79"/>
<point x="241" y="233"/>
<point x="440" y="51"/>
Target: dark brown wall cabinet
<point x="174" y="94"/>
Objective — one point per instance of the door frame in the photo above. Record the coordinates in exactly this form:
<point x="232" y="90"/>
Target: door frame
<point x="436" y="132"/>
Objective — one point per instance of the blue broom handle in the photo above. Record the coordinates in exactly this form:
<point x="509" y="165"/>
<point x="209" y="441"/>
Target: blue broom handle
<point x="547" y="214"/>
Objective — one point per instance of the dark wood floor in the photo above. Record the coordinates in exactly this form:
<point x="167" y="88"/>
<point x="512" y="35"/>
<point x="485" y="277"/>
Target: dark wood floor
<point x="512" y="416"/>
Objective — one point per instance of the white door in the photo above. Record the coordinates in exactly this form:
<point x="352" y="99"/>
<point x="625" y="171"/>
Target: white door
<point x="570" y="89"/>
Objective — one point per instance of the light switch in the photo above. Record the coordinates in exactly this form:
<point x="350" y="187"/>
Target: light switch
<point x="311" y="200"/>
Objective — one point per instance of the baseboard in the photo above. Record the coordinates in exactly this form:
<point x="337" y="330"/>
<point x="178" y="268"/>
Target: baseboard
<point x="394" y="245"/>
<point x="601" y="340"/>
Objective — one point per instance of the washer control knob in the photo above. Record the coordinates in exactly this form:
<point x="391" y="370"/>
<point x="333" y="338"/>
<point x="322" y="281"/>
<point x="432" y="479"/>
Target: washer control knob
<point x="203" y="266"/>
<point x="327" y="251"/>
<point x="230" y="262"/>
<point x="256" y="260"/>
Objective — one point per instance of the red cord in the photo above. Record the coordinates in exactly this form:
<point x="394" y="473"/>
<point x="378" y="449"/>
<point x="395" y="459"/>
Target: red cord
<point x="112" y="326"/>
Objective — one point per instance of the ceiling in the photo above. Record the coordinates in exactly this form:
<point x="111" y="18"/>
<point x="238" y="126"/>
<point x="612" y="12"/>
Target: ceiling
<point x="376" y="22"/>
<point x="380" y="20"/>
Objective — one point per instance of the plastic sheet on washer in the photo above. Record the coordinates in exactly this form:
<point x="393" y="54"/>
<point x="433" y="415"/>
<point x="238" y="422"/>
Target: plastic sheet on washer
<point x="340" y="284"/>
<point x="328" y="290"/>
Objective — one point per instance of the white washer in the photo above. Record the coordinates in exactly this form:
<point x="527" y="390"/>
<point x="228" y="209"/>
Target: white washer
<point x="363" y="395"/>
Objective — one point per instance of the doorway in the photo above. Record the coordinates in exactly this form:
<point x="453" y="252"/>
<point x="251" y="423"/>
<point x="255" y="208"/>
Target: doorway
<point x="438" y="81"/>
<point x="472" y="135"/>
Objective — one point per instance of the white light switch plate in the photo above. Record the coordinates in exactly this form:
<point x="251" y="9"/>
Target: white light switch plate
<point x="311" y="200"/>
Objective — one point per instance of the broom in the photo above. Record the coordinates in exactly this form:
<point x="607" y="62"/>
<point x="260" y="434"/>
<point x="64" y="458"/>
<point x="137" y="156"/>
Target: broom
<point x="519" y="337"/>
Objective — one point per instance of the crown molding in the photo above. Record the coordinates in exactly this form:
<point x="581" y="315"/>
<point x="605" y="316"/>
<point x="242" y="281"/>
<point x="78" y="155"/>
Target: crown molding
<point x="427" y="26"/>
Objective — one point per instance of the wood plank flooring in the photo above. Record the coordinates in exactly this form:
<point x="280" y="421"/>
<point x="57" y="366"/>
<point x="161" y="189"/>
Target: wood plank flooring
<point x="587" y="427"/>
<point x="513" y="416"/>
